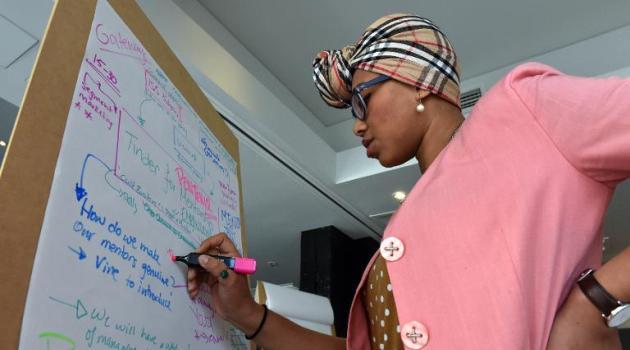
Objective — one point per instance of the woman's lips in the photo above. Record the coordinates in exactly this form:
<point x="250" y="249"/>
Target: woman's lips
<point x="370" y="151"/>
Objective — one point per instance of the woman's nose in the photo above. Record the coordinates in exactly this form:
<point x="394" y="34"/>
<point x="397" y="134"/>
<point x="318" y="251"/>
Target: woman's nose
<point x="359" y="127"/>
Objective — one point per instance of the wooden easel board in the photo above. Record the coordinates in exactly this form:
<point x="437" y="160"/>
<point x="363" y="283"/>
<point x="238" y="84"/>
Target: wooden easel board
<point x="117" y="160"/>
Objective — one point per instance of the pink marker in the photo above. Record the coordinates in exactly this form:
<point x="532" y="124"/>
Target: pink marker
<point x="246" y="266"/>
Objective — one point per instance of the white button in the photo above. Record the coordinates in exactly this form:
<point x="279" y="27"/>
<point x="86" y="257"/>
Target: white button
<point x="392" y="249"/>
<point x="414" y="335"/>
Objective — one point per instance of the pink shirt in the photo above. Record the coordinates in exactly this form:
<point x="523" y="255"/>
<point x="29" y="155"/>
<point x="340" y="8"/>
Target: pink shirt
<point x="498" y="229"/>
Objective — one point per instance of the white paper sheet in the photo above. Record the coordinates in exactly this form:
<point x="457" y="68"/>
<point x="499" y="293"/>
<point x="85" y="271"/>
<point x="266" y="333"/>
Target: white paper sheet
<point x="138" y="175"/>
<point x="299" y="305"/>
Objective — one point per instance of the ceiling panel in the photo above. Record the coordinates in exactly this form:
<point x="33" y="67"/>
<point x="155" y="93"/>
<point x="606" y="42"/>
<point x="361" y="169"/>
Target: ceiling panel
<point x="30" y="15"/>
<point x="15" y="42"/>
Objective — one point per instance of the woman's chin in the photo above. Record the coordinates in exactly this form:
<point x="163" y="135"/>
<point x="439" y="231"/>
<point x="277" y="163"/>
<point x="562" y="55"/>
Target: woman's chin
<point x="389" y="162"/>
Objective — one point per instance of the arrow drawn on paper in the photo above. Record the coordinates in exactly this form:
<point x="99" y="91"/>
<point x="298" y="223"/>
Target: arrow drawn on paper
<point x="80" y="252"/>
<point x="79" y="190"/>
<point x="80" y="309"/>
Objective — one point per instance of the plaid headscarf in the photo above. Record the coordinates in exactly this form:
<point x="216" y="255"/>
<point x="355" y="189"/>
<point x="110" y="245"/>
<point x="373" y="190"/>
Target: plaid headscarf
<point x="407" y="48"/>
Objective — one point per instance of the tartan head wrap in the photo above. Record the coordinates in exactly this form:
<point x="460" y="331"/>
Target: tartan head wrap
<point x="407" y="48"/>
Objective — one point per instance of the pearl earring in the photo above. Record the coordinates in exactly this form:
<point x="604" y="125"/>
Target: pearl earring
<point x="420" y="107"/>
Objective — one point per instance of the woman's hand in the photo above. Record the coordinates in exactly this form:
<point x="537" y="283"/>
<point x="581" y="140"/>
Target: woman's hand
<point x="231" y="298"/>
<point x="580" y="326"/>
<point x="232" y="301"/>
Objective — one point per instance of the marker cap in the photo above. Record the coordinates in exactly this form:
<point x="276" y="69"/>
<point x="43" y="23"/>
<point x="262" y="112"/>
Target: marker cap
<point x="245" y="266"/>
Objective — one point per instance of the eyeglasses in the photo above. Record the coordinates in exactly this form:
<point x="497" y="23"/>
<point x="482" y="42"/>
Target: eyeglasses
<point x="358" y="103"/>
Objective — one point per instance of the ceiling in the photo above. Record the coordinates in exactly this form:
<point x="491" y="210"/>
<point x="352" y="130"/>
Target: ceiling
<point x="487" y="34"/>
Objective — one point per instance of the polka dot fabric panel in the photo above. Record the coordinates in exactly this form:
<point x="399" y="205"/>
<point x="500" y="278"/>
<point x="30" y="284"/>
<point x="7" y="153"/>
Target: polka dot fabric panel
<point x="381" y="309"/>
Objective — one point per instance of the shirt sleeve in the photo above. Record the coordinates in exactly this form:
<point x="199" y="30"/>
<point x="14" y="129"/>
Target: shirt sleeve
<point x="588" y="119"/>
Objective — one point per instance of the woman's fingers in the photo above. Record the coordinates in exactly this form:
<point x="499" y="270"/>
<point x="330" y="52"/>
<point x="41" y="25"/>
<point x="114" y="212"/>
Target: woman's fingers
<point x="216" y="268"/>
<point x="219" y="242"/>
<point x="196" y="277"/>
<point x="211" y="270"/>
<point x="191" y="279"/>
<point x="191" y="275"/>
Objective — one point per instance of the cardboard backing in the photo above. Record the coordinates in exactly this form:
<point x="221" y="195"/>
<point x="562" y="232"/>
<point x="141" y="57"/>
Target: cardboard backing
<point x="28" y="168"/>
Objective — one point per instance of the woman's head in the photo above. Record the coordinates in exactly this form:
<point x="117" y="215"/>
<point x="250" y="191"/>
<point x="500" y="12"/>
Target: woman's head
<point x="399" y="61"/>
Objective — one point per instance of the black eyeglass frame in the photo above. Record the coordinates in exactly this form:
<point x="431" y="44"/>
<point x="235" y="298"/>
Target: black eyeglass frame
<point x="357" y="102"/>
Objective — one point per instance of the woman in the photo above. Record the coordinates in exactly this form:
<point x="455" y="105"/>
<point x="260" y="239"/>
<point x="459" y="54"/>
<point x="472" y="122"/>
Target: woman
<point x="486" y="250"/>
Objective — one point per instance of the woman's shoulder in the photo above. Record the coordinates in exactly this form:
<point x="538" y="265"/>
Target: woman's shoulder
<point x="518" y="86"/>
<point x="528" y="70"/>
<point x="519" y="80"/>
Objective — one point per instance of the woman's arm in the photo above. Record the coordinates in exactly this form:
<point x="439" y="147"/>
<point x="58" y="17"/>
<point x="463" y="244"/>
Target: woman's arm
<point x="578" y="324"/>
<point x="588" y="121"/>
<point x="232" y="301"/>
<point x="280" y="333"/>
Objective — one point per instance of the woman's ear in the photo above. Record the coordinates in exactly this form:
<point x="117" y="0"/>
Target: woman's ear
<point x="421" y="94"/>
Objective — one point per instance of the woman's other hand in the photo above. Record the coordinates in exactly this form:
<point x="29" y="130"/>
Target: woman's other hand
<point x="580" y="326"/>
<point x="230" y="296"/>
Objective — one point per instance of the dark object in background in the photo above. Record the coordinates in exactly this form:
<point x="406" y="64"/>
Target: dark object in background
<point x="8" y="113"/>
<point x="332" y="265"/>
